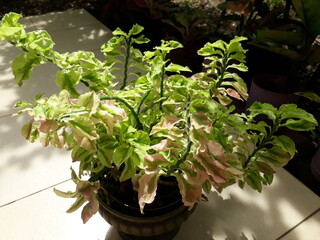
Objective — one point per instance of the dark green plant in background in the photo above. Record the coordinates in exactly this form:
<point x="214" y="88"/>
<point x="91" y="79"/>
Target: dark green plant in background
<point x="35" y="7"/>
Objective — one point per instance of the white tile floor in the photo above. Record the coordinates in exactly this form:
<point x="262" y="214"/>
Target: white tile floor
<point x="29" y="210"/>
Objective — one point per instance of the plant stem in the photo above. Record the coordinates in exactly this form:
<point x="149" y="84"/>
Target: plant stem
<point x="262" y="144"/>
<point x="223" y="70"/>
<point x="135" y="115"/>
<point x="37" y="53"/>
<point x="189" y="144"/>
<point x="144" y="98"/>
<point x="126" y="63"/>
<point x="162" y="86"/>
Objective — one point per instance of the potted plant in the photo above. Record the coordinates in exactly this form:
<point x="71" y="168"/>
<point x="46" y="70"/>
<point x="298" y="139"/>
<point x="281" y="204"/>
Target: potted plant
<point x="294" y="38"/>
<point x="136" y="137"/>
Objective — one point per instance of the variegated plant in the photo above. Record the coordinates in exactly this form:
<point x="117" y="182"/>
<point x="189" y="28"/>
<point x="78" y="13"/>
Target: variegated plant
<point x="154" y="123"/>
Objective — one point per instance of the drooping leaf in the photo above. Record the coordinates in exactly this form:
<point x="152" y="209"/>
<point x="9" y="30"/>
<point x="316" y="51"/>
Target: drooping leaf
<point x="77" y="204"/>
<point x="190" y="193"/>
<point x="264" y="167"/>
<point x="27" y="129"/>
<point x="293" y="113"/>
<point x="129" y="170"/>
<point x="23" y="66"/>
<point x="275" y="156"/>
<point x="90" y="209"/>
<point x="48" y="125"/>
<point x="147" y="189"/>
<point x="285" y="143"/>
<point x="65" y="194"/>
<point x="310" y="95"/>
<point x="253" y="179"/>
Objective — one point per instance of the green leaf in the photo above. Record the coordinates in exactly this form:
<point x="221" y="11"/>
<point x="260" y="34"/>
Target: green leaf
<point x="268" y="178"/>
<point x="136" y="29"/>
<point x="263" y="167"/>
<point x="10" y="19"/>
<point x="235" y="46"/>
<point x="67" y="79"/>
<point x="89" y="100"/>
<point x="285" y="143"/>
<point x="118" y="31"/>
<point x="27" y="129"/>
<point x="210" y="49"/>
<point x="292" y="111"/>
<point x="23" y="66"/>
<point x="6" y="32"/>
<point x="310" y="95"/>
<point x="79" y="202"/>
<point x="177" y="68"/>
<point x="141" y="40"/>
<point x="299" y="125"/>
<point x="241" y="67"/>
<point x="276" y="156"/>
<point x="84" y="132"/>
<point x="296" y="118"/>
<point x="22" y="104"/>
<point x="65" y="194"/>
<point x="129" y="170"/>
<point x="254" y="181"/>
<point x="104" y="160"/>
<point x="121" y="154"/>
<point x="39" y="41"/>
<point x="263" y="108"/>
<point x="80" y="154"/>
<point x="140" y="139"/>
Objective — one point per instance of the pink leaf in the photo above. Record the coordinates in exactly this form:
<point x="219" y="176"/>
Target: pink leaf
<point x="233" y="93"/>
<point x="90" y="209"/>
<point x="191" y="193"/>
<point x="147" y="189"/>
<point x="152" y="162"/>
<point x="165" y="145"/>
<point x="47" y="125"/>
<point x="166" y="123"/>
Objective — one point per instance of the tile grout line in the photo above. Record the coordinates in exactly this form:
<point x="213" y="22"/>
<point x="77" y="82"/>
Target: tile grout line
<point x="6" y="115"/>
<point x="297" y="225"/>
<point x="29" y="195"/>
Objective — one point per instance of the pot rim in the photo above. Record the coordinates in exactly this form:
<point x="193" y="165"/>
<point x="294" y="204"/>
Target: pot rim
<point x="137" y="219"/>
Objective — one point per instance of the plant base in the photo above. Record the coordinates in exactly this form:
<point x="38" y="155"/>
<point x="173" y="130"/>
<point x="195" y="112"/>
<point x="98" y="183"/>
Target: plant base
<point x="160" y="221"/>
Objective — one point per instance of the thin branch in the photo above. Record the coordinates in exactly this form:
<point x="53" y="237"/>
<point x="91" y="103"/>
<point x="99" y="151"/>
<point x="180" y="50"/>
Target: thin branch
<point x="135" y="115"/>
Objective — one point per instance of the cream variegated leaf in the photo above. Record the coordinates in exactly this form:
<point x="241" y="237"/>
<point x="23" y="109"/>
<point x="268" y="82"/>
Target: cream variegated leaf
<point x="148" y="184"/>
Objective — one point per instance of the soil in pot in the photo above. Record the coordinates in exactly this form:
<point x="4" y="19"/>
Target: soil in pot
<point x="161" y="219"/>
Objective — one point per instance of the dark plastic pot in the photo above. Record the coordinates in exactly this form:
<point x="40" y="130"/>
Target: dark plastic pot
<point x="158" y="222"/>
<point x="315" y="165"/>
<point x="272" y="89"/>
